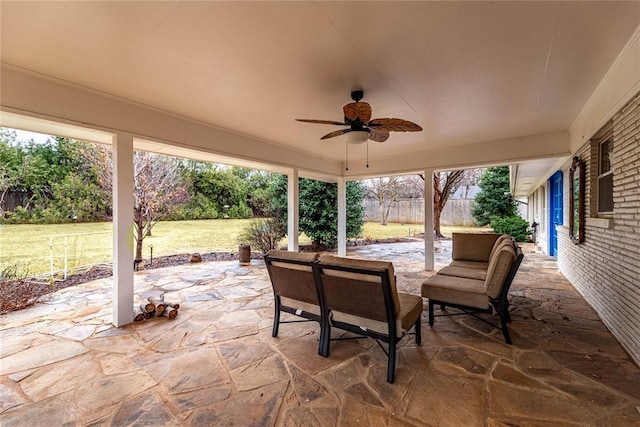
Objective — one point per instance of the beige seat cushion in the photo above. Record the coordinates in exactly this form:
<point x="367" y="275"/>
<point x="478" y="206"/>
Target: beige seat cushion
<point x="498" y="270"/>
<point x="410" y="311"/>
<point x="481" y="265"/>
<point x="466" y="272"/>
<point x="456" y="290"/>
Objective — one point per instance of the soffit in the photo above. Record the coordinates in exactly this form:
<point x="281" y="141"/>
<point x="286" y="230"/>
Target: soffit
<point x="529" y="175"/>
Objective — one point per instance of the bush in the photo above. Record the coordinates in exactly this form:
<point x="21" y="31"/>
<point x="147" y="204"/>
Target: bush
<point x="514" y="226"/>
<point x="199" y="207"/>
<point x="239" y="211"/>
<point x="263" y="234"/>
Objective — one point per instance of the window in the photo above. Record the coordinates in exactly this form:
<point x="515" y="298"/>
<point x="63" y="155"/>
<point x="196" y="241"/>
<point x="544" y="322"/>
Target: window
<point x="605" y="174"/>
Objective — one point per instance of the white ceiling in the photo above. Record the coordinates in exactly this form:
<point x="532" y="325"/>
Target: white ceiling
<point x="467" y="72"/>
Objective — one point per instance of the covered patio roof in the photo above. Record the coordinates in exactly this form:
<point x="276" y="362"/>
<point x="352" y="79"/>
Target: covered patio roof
<point x="490" y="82"/>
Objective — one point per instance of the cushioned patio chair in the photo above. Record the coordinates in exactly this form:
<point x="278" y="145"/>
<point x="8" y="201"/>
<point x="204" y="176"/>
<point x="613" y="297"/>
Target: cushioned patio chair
<point x="474" y="295"/>
<point x="361" y="298"/>
<point x="470" y="258"/>
<point x="294" y="288"/>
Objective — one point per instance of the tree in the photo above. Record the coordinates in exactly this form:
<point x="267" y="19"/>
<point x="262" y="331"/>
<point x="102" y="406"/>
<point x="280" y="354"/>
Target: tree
<point x="444" y="185"/>
<point x="319" y="209"/>
<point x="386" y="191"/>
<point x="494" y="198"/>
<point x="221" y="190"/>
<point x="48" y="182"/>
<point x="258" y="197"/>
<point x="11" y="158"/>
<point x="470" y="178"/>
<point x="158" y="187"/>
<point x="390" y="190"/>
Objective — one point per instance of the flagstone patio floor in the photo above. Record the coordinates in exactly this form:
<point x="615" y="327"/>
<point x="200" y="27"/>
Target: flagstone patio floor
<point x="63" y="363"/>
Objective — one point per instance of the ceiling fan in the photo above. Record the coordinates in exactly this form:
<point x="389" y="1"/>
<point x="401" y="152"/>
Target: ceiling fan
<point x="357" y="115"/>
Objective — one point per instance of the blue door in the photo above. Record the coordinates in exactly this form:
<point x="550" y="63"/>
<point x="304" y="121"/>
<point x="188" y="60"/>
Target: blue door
<point x="555" y="211"/>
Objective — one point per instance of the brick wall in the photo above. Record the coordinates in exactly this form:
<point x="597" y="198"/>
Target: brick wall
<point x="605" y="269"/>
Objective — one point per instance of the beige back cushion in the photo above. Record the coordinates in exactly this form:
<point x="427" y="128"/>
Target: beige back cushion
<point x="297" y="256"/>
<point x="496" y="250"/>
<point x="473" y="246"/>
<point x="363" y="264"/>
<point x="499" y="241"/>
<point x="498" y="270"/>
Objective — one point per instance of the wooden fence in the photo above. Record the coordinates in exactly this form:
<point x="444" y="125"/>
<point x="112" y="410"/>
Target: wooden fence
<point x="456" y="212"/>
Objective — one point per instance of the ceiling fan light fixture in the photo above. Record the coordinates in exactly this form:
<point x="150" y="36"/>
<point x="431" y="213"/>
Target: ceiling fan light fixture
<point x="357" y="137"/>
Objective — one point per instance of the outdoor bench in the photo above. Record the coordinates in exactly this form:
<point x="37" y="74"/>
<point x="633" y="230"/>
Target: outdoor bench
<point x="354" y="295"/>
<point x="478" y="279"/>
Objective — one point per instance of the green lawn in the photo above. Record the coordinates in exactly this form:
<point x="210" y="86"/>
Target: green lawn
<point x="27" y="246"/>
<point x="373" y="230"/>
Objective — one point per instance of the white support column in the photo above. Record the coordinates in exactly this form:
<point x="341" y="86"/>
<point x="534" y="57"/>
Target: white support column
<point x="428" y="220"/>
<point x="342" y="217"/>
<point x="122" y="229"/>
<point x="293" y="210"/>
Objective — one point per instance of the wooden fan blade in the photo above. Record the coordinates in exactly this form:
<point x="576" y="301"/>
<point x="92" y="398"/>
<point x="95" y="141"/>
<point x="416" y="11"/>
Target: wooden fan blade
<point x="357" y="111"/>
<point x="378" y="134"/>
<point x="395" y="125"/>
<point x="323" y="122"/>
<point x="336" y="133"/>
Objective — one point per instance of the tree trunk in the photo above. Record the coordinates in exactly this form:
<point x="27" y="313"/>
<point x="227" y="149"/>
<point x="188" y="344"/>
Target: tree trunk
<point x="386" y="214"/>
<point x="437" y="211"/>
<point x="383" y="218"/>
<point x="139" y="226"/>
<point x="437" y="205"/>
<point x="443" y="187"/>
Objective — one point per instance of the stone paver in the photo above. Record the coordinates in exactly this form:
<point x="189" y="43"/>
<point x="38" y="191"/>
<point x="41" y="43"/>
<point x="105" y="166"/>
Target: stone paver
<point x="217" y="364"/>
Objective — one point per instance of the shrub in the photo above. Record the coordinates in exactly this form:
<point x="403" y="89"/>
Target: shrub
<point x="514" y="226"/>
<point x="199" y="207"/>
<point x="18" y="216"/>
<point x="263" y="234"/>
<point x="319" y="209"/>
<point x="239" y="211"/>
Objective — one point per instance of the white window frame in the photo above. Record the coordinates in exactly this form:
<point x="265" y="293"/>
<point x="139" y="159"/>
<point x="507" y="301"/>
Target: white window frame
<point x="607" y="138"/>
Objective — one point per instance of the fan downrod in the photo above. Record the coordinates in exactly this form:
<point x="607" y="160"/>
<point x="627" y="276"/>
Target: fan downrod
<point x="357" y="95"/>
